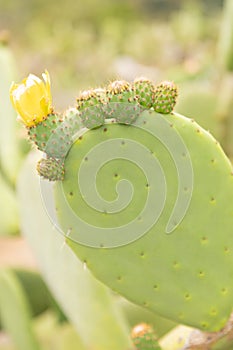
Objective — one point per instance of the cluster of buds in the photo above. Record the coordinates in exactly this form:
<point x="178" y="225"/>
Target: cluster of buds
<point x="120" y="100"/>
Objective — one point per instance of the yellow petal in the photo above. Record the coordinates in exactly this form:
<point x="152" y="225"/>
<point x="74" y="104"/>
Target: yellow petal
<point x="32" y="98"/>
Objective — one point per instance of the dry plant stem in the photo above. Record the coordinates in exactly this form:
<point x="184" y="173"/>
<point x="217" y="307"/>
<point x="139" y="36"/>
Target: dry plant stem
<point x="187" y="338"/>
<point x="205" y="340"/>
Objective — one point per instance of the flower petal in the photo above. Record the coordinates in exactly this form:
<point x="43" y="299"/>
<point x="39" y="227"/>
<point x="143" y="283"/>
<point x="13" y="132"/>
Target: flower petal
<point x="32" y="98"/>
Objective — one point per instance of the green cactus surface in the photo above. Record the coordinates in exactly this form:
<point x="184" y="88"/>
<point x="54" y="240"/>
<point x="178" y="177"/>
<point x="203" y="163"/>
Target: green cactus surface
<point x="122" y="103"/>
<point x="180" y="267"/>
<point x="51" y="169"/>
<point x="144" y="91"/>
<point x="120" y="91"/>
<point x="60" y="139"/>
<point x="93" y="117"/>
<point x="90" y="98"/>
<point x="40" y="133"/>
<point x="165" y="97"/>
<point x="53" y="136"/>
<point x="90" y="103"/>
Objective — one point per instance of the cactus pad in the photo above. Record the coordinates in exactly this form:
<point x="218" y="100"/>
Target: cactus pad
<point x="41" y="132"/>
<point x="90" y="103"/>
<point x="122" y="104"/>
<point x="60" y="139"/>
<point x="180" y="267"/>
<point x="144" y="91"/>
<point x="51" y="169"/>
<point x="165" y="97"/>
<point x="90" y="98"/>
<point x="120" y="91"/>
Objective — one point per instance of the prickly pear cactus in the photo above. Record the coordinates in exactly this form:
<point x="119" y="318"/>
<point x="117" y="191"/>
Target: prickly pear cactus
<point x="148" y="208"/>
<point x="144" y="91"/>
<point x="41" y="132"/>
<point x="90" y="103"/>
<point x="123" y="105"/>
<point x="120" y="91"/>
<point x="165" y="97"/>
<point x="170" y="247"/>
<point x="51" y="169"/>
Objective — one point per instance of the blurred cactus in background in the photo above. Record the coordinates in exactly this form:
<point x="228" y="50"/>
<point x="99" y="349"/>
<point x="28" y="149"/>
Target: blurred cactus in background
<point x="12" y="144"/>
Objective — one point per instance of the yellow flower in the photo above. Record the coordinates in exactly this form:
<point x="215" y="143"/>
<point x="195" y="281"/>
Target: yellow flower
<point x="32" y="99"/>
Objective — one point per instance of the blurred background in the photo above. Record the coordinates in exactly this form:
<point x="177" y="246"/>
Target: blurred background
<point x="83" y="44"/>
<point x="87" y="43"/>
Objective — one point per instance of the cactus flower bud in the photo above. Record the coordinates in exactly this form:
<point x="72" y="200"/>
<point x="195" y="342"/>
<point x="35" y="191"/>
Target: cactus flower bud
<point x="32" y="99"/>
<point x="144" y="337"/>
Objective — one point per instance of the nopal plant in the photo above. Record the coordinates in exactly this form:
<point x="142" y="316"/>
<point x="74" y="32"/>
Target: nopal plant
<point x="140" y="195"/>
